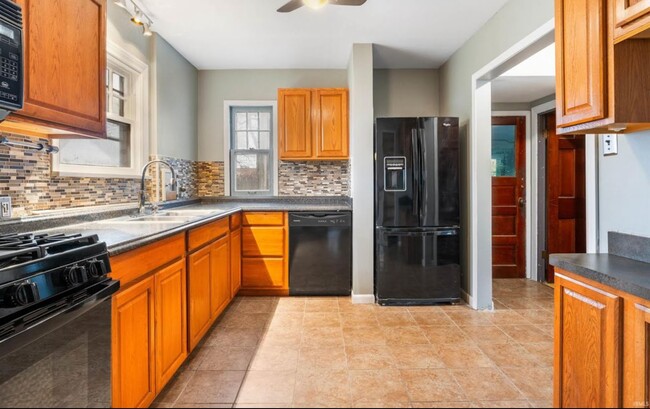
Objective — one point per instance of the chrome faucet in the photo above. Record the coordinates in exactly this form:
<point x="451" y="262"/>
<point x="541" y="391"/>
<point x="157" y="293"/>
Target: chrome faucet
<point x="143" y="193"/>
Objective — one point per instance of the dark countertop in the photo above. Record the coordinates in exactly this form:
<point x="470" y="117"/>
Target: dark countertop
<point x="621" y="273"/>
<point x="122" y="234"/>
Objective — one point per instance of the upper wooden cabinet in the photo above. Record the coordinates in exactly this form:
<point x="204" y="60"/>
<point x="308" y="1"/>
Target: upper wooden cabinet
<point x="313" y="124"/>
<point x="65" y="66"/>
<point x="600" y="86"/>
<point x="632" y="18"/>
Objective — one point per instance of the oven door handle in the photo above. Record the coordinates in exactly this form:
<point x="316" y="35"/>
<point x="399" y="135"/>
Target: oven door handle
<point x="26" y="335"/>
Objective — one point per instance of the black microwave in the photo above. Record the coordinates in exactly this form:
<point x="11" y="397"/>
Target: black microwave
<point x="11" y="58"/>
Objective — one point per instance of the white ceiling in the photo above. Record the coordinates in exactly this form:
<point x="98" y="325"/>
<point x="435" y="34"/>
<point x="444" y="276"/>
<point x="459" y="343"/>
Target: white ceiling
<point x="250" y="34"/>
<point x="529" y="81"/>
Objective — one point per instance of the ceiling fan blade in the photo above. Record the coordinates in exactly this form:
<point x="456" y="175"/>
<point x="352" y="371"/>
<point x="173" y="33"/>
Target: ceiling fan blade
<point x="291" y="6"/>
<point x="347" y="2"/>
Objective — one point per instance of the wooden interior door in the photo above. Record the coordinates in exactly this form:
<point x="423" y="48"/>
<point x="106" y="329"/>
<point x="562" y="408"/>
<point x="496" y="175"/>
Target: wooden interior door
<point x="565" y="191"/>
<point x="508" y="197"/>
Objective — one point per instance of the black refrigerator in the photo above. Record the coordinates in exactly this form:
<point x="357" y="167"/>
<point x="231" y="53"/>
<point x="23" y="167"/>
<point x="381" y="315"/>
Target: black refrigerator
<point x="417" y="211"/>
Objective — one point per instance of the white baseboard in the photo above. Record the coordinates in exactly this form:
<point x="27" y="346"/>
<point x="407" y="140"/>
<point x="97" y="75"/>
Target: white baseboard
<point x="363" y="298"/>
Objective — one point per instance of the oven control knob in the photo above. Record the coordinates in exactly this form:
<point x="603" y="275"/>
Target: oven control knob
<point x="23" y="294"/>
<point x="75" y="275"/>
<point x="96" y="268"/>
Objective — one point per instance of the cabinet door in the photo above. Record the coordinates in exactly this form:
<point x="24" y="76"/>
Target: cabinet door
<point x="220" y="277"/>
<point x="65" y="65"/>
<point x="294" y="123"/>
<point x="133" y="376"/>
<point x="632" y="16"/>
<point x="588" y="346"/>
<point x="581" y="44"/>
<point x="199" y="316"/>
<point x="263" y="241"/>
<point x="331" y="125"/>
<point x="171" y="322"/>
<point x="235" y="262"/>
<point x="264" y="273"/>
<point x="637" y="371"/>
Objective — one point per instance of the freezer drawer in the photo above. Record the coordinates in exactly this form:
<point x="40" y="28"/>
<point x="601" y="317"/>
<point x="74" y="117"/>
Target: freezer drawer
<point x="418" y="267"/>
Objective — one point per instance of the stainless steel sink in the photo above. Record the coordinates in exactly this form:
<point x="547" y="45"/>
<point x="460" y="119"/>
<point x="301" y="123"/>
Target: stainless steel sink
<point x="186" y="213"/>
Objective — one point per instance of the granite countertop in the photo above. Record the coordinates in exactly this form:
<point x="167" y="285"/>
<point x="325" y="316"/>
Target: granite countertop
<point x="122" y="234"/>
<point x="621" y="273"/>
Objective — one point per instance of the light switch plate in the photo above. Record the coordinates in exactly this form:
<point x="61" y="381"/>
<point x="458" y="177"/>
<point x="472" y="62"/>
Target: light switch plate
<point x="610" y="145"/>
<point x="5" y="207"/>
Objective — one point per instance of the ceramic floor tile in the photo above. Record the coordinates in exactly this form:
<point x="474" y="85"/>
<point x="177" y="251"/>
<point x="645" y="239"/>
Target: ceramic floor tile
<point x="281" y="337"/>
<point x="202" y="405"/>
<point x="255" y="305"/>
<point x="267" y="387"/>
<point x="469" y="317"/>
<point x="275" y="358"/>
<point x="462" y="356"/>
<point x="432" y="318"/>
<point x="290" y="304"/>
<point x="324" y="388"/>
<point x="322" y="358"/>
<point x="323" y="337"/>
<point x="405" y="336"/>
<point x="525" y="333"/>
<point x="486" y="334"/>
<point x="322" y="319"/>
<point x="507" y="317"/>
<point x="440" y="335"/>
<point x="486" y="384"/>
<point x="326" y="304"/>
<point x="542" y="353"/>
<point x="286" y="320"/>
<point x="392" y="318"/>
<point x="175" y="387"/>
<point x="369" y="357"/>
<point x="234" y="337"/>
<point x="503" y="404"/>
<point x="373" y="387"/>
<point x="510" y="355"/>
<point x="534" y="383"/>
<point x="359" y="319"/>
<point x="541" y="403"/>
<point x="442" y="405"/>
<point x="212" y="387"/>
<point x="432" y="385"/>
<point x="415" y="357"/>
<point x="246" y="320"/>
<point x="364" y="336"/>
<point x="227" y="359"/>
<point x="538" y="317"/>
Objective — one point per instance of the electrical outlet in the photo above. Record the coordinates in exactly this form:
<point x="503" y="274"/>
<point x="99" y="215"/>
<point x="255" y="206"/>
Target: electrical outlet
<point x="5" y="207"/>
<point x="610" y="145"/>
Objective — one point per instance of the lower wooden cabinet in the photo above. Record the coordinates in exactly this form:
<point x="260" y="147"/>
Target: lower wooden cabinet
<point x="133" y="372"/>
<point x="636" y="388"/>
<point x="235" y="262"/>
<point x="265" y="254"/>
<point x="588" y="345"/>
<point x="171" y="321"/>
<point x="209" y="286"/>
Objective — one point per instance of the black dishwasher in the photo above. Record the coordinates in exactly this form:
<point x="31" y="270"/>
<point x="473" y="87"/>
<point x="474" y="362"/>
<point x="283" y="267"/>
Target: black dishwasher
<point x="320" y="253"/>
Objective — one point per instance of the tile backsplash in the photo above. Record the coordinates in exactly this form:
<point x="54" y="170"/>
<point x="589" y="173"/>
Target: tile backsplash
<point x="314" y="178"/>
<point x="26" y="177"/>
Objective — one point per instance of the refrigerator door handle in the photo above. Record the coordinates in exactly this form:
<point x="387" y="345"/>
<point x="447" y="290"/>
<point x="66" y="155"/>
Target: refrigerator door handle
<point x="421" y="170"/>
<point x="416" y="171"/>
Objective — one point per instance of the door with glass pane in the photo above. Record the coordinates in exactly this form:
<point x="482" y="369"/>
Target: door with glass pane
<point x="252" y="150"/>
<point x="508" y="197"/>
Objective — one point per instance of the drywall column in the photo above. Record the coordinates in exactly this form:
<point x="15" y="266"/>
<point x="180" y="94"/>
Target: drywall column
<point x="360" y="80"/>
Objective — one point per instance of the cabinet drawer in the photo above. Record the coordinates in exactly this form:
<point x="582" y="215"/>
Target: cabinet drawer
<point x="263" y="273"/>
<point x="263" y="219"/>
<point x="235" y="221"/>
<point x="263" y="241"/>
<point x="205" y="234"/>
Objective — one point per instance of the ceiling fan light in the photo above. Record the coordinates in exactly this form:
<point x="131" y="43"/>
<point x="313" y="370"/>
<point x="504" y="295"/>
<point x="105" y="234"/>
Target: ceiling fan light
<point x="315" y="4"/>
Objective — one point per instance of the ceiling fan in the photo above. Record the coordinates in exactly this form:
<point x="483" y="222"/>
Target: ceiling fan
<point x="316" y="4"/>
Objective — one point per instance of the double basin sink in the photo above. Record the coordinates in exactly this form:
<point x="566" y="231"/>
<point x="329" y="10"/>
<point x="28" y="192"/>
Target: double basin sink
<point x="171" y="216"/>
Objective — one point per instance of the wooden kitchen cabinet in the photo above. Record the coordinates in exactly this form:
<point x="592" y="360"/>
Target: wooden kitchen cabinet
<point x="600" y="86"/>
<point x="636" y="388"/>
<point x="265" y="254"/>
<point x="235" y="254"/>
<point x="65" y="66"/>
<point x="588" y="344"/>
<point x="199" y="288"/>
<point x="133" y="349"/>
<point x="632" y="18"/>
<point x="171" y="321"/>
<point x="220" y="277"/>
<point x="313" y="124"/>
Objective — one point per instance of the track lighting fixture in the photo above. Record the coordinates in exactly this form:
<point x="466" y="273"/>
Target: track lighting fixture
<point x="138" y="17"/>
<point x="121" y="3"/>
<point x="146" y="30"/>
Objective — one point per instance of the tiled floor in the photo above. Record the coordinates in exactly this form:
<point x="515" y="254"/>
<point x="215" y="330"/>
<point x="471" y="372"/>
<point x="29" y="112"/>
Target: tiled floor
<point x="327" y="352"/>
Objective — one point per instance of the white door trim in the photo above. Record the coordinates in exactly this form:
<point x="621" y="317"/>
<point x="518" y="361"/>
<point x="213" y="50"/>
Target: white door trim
<point x="480" y="228"/>
<point x="226" y="140"/>
<point x="529" y="186"/>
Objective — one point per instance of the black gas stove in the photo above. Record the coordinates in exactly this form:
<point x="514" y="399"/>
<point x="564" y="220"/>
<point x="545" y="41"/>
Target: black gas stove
<point x="43" y="276"/>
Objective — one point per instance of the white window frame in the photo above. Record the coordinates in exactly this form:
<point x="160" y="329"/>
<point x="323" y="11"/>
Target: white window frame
<point x="139" y="110"/>
<point x="227" y="132"/>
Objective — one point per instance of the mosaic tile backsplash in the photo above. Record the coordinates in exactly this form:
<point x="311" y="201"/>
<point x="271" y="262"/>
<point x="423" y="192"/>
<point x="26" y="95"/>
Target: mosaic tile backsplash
<point x="314" y="178"/>
<point x="26" y="177"/>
